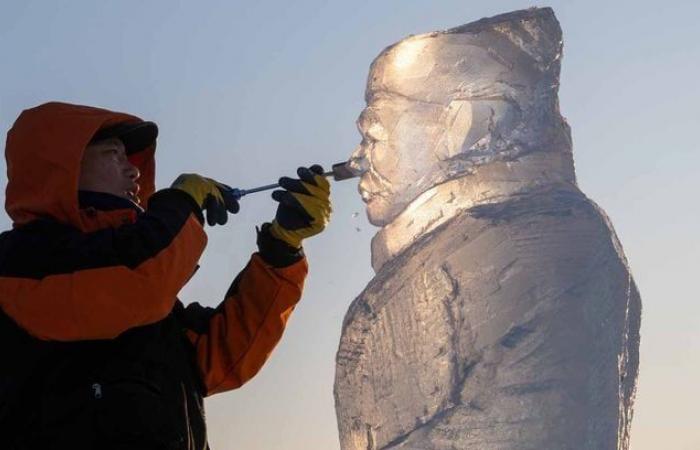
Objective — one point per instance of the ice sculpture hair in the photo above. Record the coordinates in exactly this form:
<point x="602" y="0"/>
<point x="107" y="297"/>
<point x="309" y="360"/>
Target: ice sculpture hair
<point x="439" y="105"/>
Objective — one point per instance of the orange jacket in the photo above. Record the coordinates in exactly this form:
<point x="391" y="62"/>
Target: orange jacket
<point x="70" y="274"/>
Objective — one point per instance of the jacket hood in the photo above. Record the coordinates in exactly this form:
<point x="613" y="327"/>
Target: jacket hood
<point x="44" y="150"/>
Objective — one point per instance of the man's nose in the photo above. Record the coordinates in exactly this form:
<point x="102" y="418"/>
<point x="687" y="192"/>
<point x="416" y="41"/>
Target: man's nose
<point x="132" y="171"/>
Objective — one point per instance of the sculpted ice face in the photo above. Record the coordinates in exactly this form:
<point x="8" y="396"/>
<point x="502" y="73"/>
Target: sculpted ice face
<point x="439" y="105"/>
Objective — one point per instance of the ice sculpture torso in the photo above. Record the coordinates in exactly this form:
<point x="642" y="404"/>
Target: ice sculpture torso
<point x="502" y="315"/>
<point x="508" y="327"/>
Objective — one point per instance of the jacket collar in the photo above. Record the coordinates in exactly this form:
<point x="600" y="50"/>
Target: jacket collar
<point x="102" y="201"/>
<point x="99" y="210"/>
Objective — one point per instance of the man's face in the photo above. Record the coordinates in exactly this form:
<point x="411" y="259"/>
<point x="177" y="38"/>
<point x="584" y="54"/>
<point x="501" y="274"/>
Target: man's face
<point x="105" y="168"/>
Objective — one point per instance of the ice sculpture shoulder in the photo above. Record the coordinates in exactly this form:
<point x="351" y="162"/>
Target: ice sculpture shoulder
<point x="503" y="314"/>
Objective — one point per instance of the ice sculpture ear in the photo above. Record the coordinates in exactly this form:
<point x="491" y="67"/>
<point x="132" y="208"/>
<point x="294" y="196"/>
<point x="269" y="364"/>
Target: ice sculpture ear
<point x="459" y="113"/>
<point x="475" y="128"/>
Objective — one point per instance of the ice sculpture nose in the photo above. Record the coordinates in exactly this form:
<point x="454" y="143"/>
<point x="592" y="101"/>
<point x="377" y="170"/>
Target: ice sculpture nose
<point x="358" y="162"/>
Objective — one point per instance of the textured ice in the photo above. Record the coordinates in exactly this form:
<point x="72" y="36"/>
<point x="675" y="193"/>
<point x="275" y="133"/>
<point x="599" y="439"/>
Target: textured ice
<point x="503" y="314"/>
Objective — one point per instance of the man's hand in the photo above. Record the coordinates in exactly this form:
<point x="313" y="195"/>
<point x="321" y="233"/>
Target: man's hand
<point x="305" y="206"/>
<point x="214" y="197"/>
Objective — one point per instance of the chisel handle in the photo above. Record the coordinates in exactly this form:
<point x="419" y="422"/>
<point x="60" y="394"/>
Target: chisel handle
<point x="339" y="171"/>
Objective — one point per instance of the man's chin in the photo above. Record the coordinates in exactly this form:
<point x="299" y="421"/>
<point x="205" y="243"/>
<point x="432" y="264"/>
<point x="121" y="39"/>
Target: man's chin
<point x="132" y="192"/>
<point x="133" y="196"/>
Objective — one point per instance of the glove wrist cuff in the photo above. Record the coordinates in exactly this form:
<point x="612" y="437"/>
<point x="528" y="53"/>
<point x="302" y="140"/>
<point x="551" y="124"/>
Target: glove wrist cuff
<point x="180" y="197"/>
<point x="292" y="239"/>
<point x="274" y="251"/>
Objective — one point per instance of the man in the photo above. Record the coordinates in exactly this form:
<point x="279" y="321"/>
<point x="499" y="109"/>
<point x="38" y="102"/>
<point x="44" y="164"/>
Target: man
<point x="98" y="351"/>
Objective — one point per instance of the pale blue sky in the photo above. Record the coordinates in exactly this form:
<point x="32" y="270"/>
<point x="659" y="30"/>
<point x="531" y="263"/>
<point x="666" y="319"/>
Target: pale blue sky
<point x="247" y="92"/>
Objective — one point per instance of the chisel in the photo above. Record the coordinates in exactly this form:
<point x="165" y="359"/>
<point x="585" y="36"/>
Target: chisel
<point x="339" y="171"/>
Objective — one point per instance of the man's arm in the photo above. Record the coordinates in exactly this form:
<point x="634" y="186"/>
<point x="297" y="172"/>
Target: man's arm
<point x="60" y="284"/>
<point x="233" y="341"/>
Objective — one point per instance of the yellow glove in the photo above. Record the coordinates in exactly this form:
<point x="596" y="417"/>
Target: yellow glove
<point x="305" y="206"/>
<point x="214" y="197"/>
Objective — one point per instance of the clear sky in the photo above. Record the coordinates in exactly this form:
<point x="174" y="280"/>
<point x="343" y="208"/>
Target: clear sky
<point x="246" y="92"/>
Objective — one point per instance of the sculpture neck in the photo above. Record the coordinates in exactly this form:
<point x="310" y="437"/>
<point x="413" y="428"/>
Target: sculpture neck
<point x="491" y="183"/>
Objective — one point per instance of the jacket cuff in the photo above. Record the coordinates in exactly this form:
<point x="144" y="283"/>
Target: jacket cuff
<point x="179" y="198"/>
<point x="276" y="252"/>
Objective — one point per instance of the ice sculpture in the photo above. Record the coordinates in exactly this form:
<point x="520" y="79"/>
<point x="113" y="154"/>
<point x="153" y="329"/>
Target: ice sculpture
<point x="503" y="314"/>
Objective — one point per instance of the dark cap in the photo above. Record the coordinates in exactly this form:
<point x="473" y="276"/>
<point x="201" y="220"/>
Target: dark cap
<point x="135" y="136"/>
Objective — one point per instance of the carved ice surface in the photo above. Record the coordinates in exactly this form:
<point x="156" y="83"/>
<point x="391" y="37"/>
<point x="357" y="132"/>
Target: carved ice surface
<point x="503" y="314"/>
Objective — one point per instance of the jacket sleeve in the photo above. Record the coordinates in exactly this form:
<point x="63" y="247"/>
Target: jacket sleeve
<point x="61" y="284"/>
<point x="233" y="341"/>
